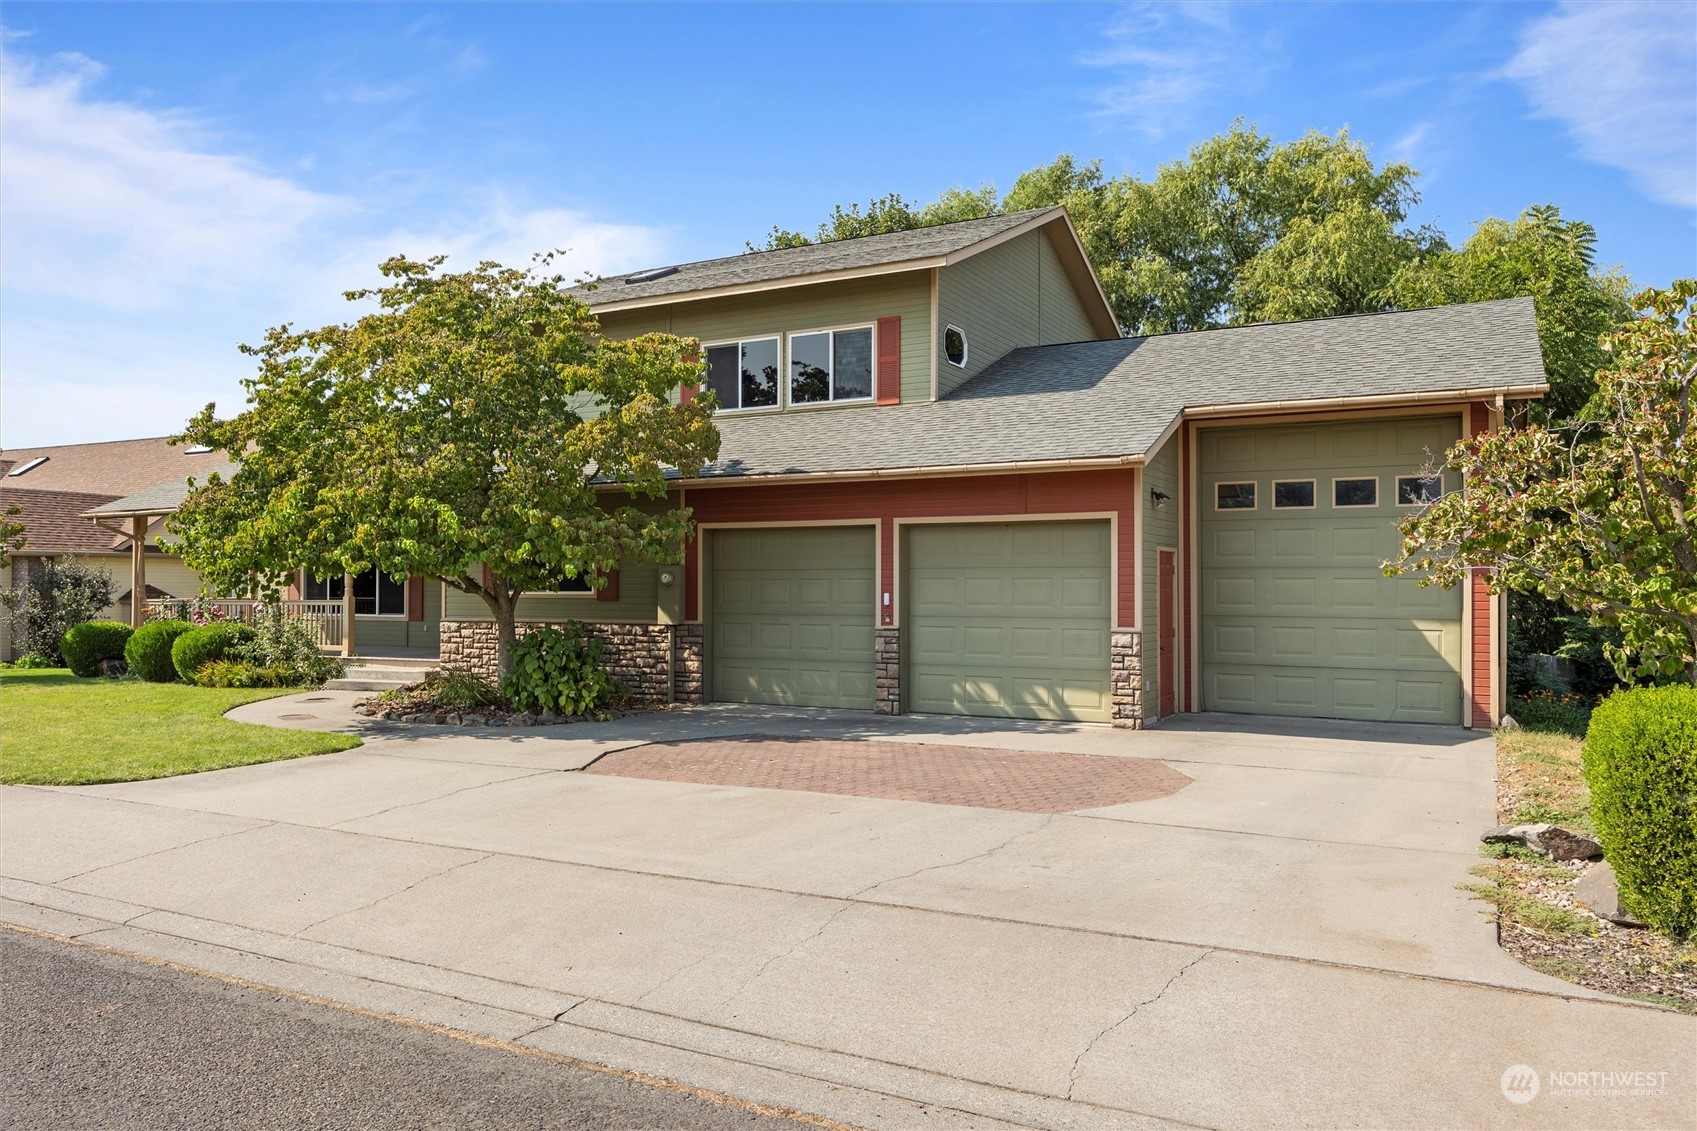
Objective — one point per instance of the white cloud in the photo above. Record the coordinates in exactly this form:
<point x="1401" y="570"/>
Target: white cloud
<point x="1623" y="78"/>
<point x="140" y="248"/>
<point x="1408" y="147"/>
<point x="1170" y="58"/>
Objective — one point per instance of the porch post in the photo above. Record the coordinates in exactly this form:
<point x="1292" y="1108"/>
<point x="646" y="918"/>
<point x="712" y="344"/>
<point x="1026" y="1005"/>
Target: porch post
<point x="138" y="570"/>
<point x="347" y="614"/>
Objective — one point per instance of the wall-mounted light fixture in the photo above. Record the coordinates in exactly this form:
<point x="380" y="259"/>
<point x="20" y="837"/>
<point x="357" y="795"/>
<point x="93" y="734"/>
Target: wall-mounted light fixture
<point x="1159" y="496"/>
<point x="665" y="579"/>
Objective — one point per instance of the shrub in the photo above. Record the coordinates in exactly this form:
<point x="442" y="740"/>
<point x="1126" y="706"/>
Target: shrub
<point x="56" y="596"/>
<point x="559" y="670"/>
<point x="1641" y="764"/>
<point x="241" y="673"/>
<point x="84" y="646"/>
<point x="149" y="650"/>
<point x="198" y="647"/>
<point x="1551" y="713"/>
<point x="282" y="642"/>
<point x="462" y="689"/>
<point x="31" y="660"/>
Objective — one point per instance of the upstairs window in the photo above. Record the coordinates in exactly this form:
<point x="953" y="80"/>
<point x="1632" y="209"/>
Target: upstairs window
<point x="376" y="594"/>
<point x="831" y="365"/>
<point x="954" y="346"/>
<point x="744" y="374"/>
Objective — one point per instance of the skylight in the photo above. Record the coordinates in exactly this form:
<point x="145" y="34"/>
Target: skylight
<point x="650" y="275"/>
<point x="17" y="471"/>
<point x="197" y="450"/>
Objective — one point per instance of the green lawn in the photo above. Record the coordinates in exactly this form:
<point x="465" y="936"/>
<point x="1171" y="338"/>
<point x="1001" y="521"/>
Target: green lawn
<point x="56" y="729"/>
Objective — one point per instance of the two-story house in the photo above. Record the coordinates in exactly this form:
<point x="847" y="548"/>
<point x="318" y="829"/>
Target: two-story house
<point x="948" y="484"/>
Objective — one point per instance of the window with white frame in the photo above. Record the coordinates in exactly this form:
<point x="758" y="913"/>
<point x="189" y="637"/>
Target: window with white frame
<point x="831" y="365"/>
<point x="744" y="374"/>
<point x="376" y="594"/>
<point x="1348" y="493"/>
<point x="1293" y="494"/>
<point x="1418" y="490"/>
<point x="1234" y="496"/>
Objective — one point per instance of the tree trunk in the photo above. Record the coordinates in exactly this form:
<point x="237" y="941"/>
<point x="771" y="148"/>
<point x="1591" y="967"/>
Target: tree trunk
<point x="503" y="606"/>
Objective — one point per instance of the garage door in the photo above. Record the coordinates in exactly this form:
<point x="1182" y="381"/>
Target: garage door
<point x="1296" y="617"/>
<point x="789" y="616"/>
<point x="1007" y="619"/>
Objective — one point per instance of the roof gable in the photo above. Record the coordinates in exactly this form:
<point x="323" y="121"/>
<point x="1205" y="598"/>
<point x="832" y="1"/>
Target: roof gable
<point x="933" y="246"/>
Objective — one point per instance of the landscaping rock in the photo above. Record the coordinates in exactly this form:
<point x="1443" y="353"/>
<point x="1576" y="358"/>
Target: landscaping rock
<point x="114" y="668"/>
<point x="524" y="719"/>
<point x="473" y="720"/>
<point x="1552" y="840"/>
<point x="1509" y="722"/>
<point x="549" y="718"/>
<point x="1597" y="890"/>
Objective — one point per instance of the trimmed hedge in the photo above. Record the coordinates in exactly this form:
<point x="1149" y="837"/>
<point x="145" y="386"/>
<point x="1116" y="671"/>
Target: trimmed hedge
<point x="195" y="649"/>
<point x="1641" y="765"/>
<point x="84" y="646"/>
<point x="149" y="649"/>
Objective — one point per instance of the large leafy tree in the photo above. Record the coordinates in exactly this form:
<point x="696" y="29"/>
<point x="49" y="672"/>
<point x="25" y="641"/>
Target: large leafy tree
<point x="1242" y="230"/>
<point x="1599" y="513"/>
<point x="466" y="430"/>
<point x="12" y="534"/>
<point x="1549" y="258"/>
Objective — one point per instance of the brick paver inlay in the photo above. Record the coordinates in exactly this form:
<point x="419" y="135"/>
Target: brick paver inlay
<point x="1029" y="781"/>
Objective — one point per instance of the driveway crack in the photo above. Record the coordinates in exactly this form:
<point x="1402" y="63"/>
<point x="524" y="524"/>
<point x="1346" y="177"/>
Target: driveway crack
<point x="991" y="851"/>
<point x="764" y="966"/>
<point x="1078" y="1061"/>
<point x="391" y="895"/>
<point x="440" y="797"/>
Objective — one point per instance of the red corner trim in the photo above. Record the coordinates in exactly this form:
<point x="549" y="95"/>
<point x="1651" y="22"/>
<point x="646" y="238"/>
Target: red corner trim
<point x="609" y="591"/>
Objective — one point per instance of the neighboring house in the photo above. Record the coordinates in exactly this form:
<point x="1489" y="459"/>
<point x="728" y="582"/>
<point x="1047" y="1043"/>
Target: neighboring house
<point x="56" y="486"/>
<point x="389" y="615"/>
<point x="948" y="485"/>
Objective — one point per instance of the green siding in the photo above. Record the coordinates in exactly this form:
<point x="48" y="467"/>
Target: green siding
<point x="639" y="590"/>
<point x="1061" y="314"/>
<point x="802" y="307"/>
<point x="789" y="616"/>
<point x="1296" y="617"/>
<point x="1160" y="528"/>
<point x="1014" y="294"/>
<point x="1007" y="620"/>
<point x="993" y="297"/>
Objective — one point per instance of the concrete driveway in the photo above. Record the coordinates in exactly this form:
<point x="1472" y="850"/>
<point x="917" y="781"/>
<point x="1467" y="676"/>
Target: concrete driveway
<point x="1279" y="943"/>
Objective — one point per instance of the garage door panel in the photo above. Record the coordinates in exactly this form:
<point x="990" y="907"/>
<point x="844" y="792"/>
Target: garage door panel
<point x="790" y="616"/>
<point x="1296" y="617"/>
<point x="1026" y="635"/>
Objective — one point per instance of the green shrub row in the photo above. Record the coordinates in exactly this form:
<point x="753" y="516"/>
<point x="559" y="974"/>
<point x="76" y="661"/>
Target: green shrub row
<point x="194" y="650"/>
<point x="149" y="649"/>
<point x="1641" y="765"/>
<point x="87" y="645"/>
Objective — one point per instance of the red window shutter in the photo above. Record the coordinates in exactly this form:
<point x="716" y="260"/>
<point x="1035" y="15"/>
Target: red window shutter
<point x="415" y="598"/>
<point x="889" y="379"/>
<point x="687" y="393"/>
<point x="609" y="591"/>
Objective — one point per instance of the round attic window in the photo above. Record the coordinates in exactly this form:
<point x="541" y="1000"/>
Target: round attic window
<point x="954" y="346"/>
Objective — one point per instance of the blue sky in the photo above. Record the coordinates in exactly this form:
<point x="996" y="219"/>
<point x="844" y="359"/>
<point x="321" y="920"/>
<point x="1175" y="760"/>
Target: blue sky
<point x="173" y="179"/>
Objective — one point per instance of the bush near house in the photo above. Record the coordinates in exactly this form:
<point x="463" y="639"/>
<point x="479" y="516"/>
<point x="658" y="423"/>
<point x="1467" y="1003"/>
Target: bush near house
<point x="149" y="649"/>
<point x="56" y="596"/>
<point x="85" y="646"/>
<point x="198" y="647"/>
<point x="559" y="670"/>
<point x="1641" y="765"/>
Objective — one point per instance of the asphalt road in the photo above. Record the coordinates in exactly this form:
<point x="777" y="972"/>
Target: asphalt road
<point x="90" y="1039"/>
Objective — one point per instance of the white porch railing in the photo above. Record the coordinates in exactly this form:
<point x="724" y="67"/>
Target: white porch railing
<point x="322" y="618"/>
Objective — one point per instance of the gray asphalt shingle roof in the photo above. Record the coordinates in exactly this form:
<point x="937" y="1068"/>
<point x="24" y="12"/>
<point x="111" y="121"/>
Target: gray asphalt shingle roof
<point x="811" y="259"/>
<point x="163" y="498"/>
<point x="1115" y="399"/>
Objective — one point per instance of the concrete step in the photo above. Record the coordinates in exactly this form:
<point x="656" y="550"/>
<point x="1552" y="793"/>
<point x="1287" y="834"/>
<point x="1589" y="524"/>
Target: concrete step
<point x="382" y="673"/>
<point x="355" y="683"/>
